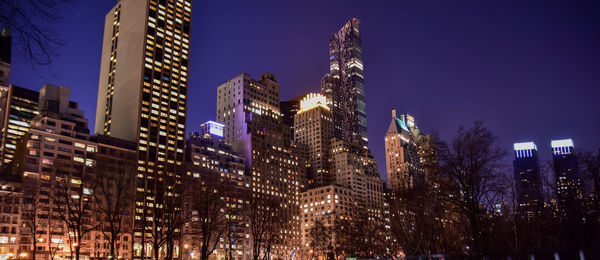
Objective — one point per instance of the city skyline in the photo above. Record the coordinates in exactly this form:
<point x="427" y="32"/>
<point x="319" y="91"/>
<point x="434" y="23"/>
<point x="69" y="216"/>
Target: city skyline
<point x="521" y="112"/>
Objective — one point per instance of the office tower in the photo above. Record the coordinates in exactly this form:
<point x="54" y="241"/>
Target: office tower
<point x="5" y="52"/>
<point x="528" y="180"/>
<point x="211" y="159"/>
<point x="142" y="95"/>
<point x="313" y="127"/>
<point x="325" y="204"/>
<point x="568" y="179"/>
<point x="402" y="159"/>
<point x="249" y="109"/>
<point x="344" y="84"/>
<point x="21" y="108"/>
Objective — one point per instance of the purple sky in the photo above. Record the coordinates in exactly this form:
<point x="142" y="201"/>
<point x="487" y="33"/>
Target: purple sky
<point x="529" y="69"/>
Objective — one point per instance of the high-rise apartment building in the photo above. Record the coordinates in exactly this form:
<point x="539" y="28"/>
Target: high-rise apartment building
<point x="142" y="96"/>
<point x="402" y="158"/>
<point x="528" y="180"/>
<point x="57" y="159"/>
<point x="313" y="127"/>
<point x="325" y="204"/>
<point x="21" y="108"/>
<point x="568" y="179"/>
<point x="249" y="109"/>
<point x="344" y="84"/>
<point x="355" y="169"/>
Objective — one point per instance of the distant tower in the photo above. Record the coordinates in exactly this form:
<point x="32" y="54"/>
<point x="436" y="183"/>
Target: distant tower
<point x="402" y="155"/>
<point x="528" y="179"/>
<point x="344" y="85"/>
<point x="568" y="179"/>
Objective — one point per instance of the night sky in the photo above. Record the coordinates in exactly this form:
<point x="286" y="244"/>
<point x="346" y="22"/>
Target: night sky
<point x="529" y="69"/>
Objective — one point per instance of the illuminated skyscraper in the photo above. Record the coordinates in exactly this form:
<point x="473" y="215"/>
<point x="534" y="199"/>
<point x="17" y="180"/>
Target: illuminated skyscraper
<point x="20" y="108"/>
<point x="344" y="85"/>
<point x="313" y="127"/>
<point x="142" y="96"/>
<point x="249" y="109"/>
<point x="568" y="179"/>
<point x="528" y="180"/>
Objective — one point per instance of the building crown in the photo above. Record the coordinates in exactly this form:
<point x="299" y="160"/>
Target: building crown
<point x="313" y="100"/>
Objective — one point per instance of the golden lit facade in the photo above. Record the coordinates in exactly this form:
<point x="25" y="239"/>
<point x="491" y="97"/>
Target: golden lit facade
<point x="142" y="98"/>
<point x="313" y="127"/>
<point x="324" y="203"/>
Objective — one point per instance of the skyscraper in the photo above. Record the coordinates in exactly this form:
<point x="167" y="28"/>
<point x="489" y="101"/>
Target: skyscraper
<point x="528" y="180"/>
<point x="313" y="127"/>
<point x="249" y="109"/>
<point x="142" y="96"/>
<point x="344" y="84"/>
<point x="568" y="179"/>
<point x="402" y="155"/>
<point x="21" y="108"/>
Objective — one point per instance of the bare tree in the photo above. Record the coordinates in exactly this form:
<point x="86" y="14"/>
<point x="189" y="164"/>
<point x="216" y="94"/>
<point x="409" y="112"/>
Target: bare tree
<point x="209" y="214"/>
<point x="31" y="209"/>
<point x="320" y="238"/>
<point x="471" y="162"/>
<point x="167" y="217"/>
<point x="73" y="196"/>
<point x="115" y="180"/>
<point x="31" y="23"/>
<point x="591" y="168"/>
<point x="265" y="222"/>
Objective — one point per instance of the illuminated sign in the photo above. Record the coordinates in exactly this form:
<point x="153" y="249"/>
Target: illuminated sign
<point x="313" y="100"/>
<point x="214" y="128"/>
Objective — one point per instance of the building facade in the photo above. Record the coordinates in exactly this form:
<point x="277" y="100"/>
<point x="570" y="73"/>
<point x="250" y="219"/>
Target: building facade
<point x="21" y="108"/>
<point x="210" y="158"/>
<point x="528" y="180"/>
<point x="142" y="95"/>
<point x="569" y="188"/>
<point x="402" y="158"/>
<point x="249" y="109"/>
<point x="344" y="84"/>
<point x="313" y="127"/>
<point x="325" y="204"/>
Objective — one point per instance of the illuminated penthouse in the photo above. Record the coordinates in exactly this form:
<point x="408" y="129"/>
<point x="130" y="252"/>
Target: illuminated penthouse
<point x="313" y="127"/>
<point x="142" y="95"/>
<point x="528" y="180"/>
<point x="568" y="178"/>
